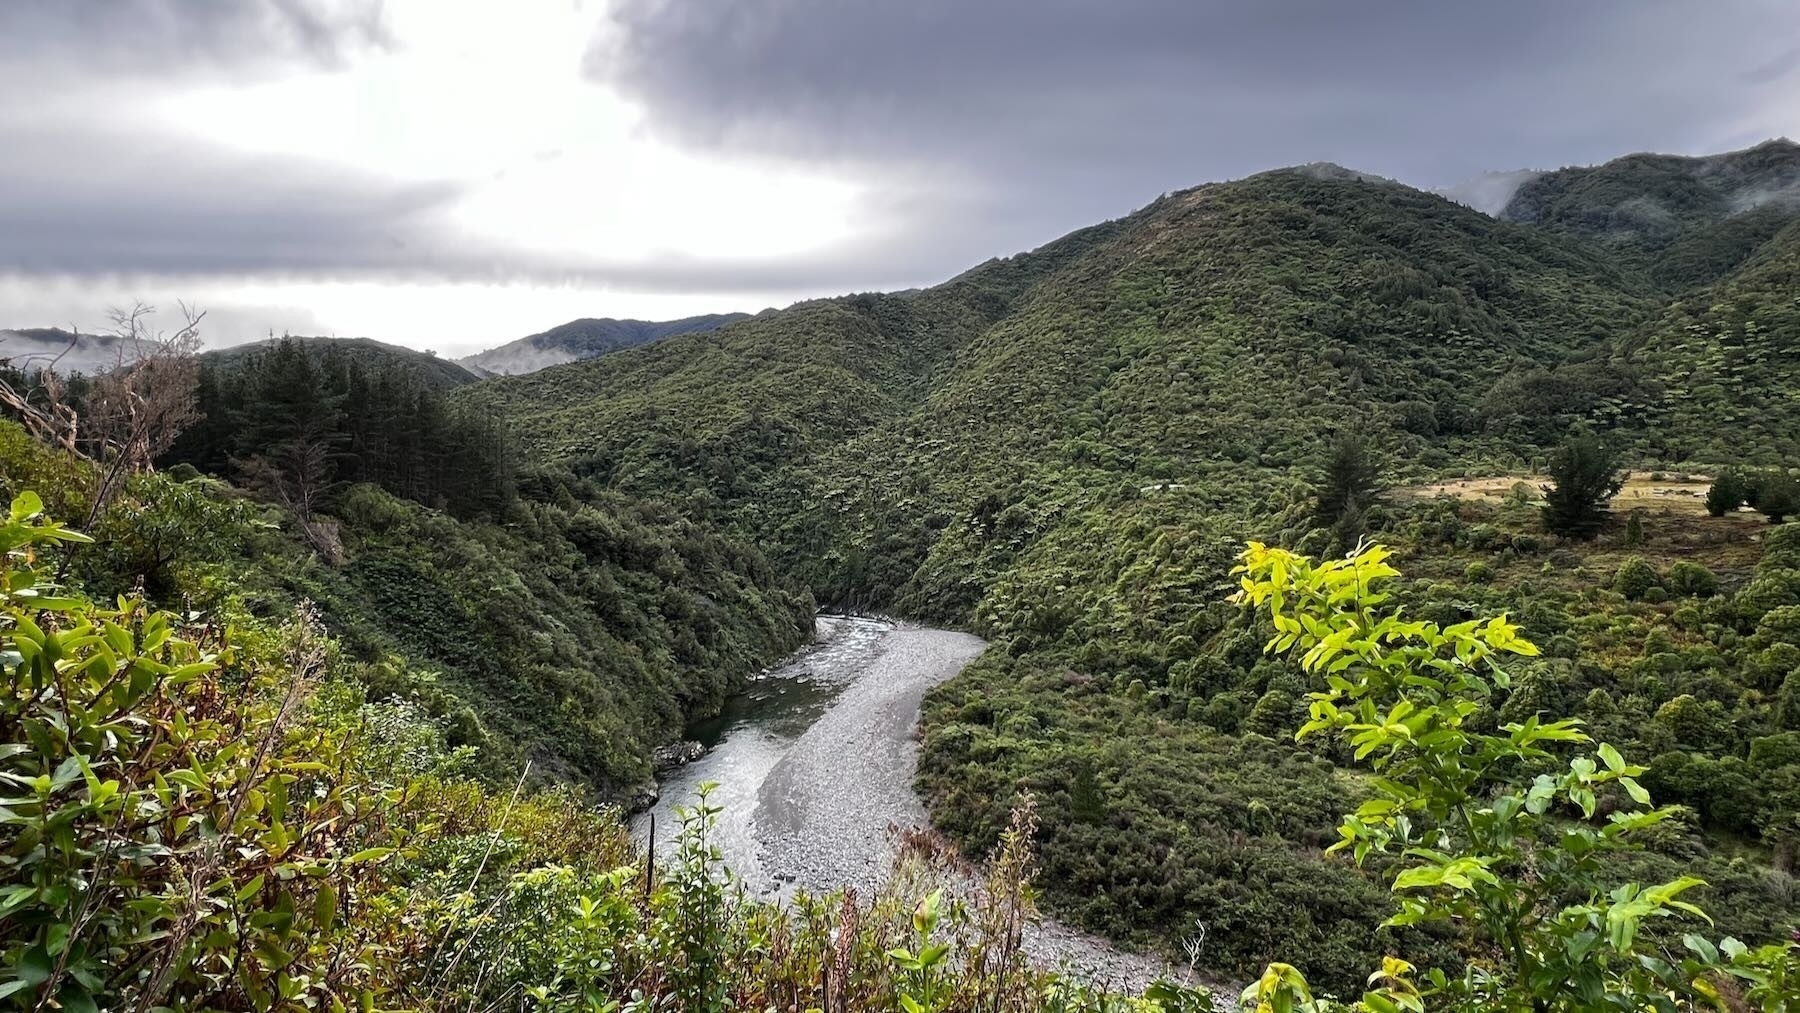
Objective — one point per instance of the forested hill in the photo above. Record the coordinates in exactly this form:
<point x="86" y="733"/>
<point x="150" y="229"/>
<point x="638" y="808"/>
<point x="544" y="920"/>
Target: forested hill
<point x="1064" y="449"/>
<point x="1219" y="331"/>
<point x="547" y="619"/>
<point x="426" y="367"/>
<point x="587" y="338"/>
<point x="1686" y="221"/>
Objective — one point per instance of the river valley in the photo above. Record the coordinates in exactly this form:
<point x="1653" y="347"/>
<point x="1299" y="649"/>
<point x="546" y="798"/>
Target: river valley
<point x="814" y="763"/>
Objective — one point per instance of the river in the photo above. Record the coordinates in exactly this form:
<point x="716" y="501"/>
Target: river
<point x="814" y="761"/>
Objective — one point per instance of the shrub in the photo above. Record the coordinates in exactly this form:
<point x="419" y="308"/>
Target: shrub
<point x="223" y="887"/>
<point x="1555" y="915"/>
<point x="1781" y="549"/>
<point x="1781" y="623"/>
<point x="1634" y="578"/>
<point x="1691" y="580"/>
<point x="1478" y="572"/>
<point x="1483" y="536"/>
<point x="1770" y="752"/>
<point x="1271" y="714"/>
<point x="1655" y="595"/>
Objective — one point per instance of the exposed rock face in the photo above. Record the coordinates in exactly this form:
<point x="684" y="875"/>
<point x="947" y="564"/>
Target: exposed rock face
<point x="644" y="796"/>
<point x="676" y="754"/>
<point x="663" y="758"/>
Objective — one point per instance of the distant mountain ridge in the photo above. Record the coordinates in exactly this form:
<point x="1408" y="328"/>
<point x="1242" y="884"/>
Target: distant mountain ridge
<point x="32" y="348"/>
<point x="586" y="338"/>
<point x="1686" y="220"/>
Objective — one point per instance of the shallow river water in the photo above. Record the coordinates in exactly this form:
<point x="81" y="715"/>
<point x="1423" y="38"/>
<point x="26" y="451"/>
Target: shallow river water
<point x="814" y="761"/>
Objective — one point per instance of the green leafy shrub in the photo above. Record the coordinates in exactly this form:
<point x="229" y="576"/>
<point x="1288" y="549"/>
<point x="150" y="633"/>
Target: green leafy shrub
<point x="1691" y="580"/>
<point x="1635" y="577"/>
<point x="1565" y="935"/>
<point x="163" y="783"/>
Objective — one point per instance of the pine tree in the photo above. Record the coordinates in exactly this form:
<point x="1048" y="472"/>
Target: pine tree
<point x="1351" y="483"/>
<point x="1584" y="476"/>
<point x="1778" y="497"/>
<point x="1726" y="493"/>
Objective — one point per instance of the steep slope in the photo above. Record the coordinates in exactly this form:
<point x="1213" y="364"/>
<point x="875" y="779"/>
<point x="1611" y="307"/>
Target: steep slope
<point x="587" y="338"/>
<point x="1685" y="221"/>
<point x="577" y="629"/>
<point x="1728" y="356"/>
<point x="854" y="435"/>
<point x="1063" y="450"/>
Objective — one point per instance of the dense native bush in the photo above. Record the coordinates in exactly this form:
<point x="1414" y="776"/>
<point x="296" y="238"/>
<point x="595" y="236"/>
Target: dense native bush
<point x="583" y="628"/>
<point x="205" y="818"/>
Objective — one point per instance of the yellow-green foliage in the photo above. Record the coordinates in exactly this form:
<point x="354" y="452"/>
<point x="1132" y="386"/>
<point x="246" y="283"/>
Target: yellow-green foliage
<point x="1519" y="867"/>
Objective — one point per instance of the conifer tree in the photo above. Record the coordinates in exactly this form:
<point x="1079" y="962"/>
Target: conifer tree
<point x="1351" y="483"/>
<point x="1584" y="476"/>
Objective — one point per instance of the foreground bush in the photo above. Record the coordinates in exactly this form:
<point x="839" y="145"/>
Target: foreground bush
<point x="1522" y="866"/>
<point x="204" y="818"/>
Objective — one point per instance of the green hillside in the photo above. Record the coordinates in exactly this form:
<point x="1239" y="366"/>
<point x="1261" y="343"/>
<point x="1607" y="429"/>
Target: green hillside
<point x="409" y="590"/>
<point x="1730" y="358"/>
<point x="433" y="372"/>
<point x="1064" y="450"/>
<point x="862" y="436"/>
<point x="574" y="628"/>
<point x="1685" y="221"/>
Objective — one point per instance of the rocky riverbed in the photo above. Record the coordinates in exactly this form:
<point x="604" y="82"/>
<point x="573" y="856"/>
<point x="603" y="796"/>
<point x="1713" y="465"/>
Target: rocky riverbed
<point x="815" y="763"/>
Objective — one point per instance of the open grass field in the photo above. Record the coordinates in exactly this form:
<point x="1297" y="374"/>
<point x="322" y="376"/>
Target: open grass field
<point x="1677" y="493"/>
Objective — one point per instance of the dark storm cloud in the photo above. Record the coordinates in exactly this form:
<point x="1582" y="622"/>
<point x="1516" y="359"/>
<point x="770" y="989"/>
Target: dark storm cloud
<point x="86" y="189"/>
<point x="89" y="191"/>
<point x="1052" y="113"/>
<point x="79" y="202"/>
<point x="172" y="37"/>
<point x="979" y="126"/>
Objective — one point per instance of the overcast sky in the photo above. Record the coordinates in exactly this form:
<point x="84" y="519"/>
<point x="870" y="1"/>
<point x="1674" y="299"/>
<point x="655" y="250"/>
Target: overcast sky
<point x="452" y="175"/>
